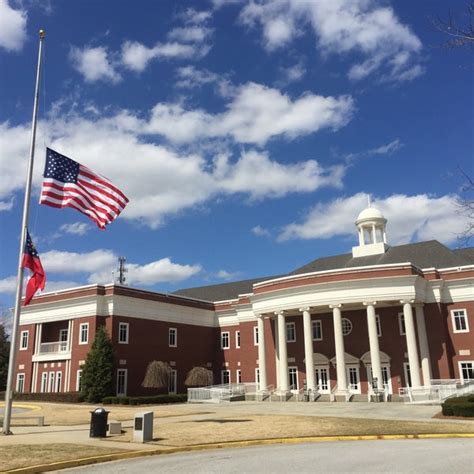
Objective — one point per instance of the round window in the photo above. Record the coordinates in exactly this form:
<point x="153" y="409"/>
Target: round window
<point x="346" y="327"/>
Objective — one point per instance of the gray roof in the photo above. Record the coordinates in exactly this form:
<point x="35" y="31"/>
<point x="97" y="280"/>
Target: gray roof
<point x="422" y="254"/>
<point x="222" y="291"/>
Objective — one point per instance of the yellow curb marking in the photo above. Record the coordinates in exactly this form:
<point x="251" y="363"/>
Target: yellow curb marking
<point x="228" y="444"/>
<point x="23" y="405"/>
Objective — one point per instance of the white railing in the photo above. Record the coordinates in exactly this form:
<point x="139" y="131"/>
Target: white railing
<point x="439" y="391"/>
<point x="220" y="393"/>
<point x="53" y="347"/>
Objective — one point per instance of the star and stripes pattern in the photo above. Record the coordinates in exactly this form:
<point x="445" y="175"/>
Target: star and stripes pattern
<point x="67" y="183"/>
<point x="32" y="261"/>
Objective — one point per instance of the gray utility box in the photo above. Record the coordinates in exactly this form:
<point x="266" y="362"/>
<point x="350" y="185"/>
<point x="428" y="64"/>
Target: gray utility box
<point x="143" y="427"/>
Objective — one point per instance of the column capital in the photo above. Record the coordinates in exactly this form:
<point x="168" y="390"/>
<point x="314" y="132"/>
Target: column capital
<point x="369" y="303"/>
<point x="282" y="312"/>
<point x="259" y="315"/>
<point x="407" y="301"/>
<point x="419" y="304"/>
<point x="332" y="306"/>
<point x="307" y="308"/>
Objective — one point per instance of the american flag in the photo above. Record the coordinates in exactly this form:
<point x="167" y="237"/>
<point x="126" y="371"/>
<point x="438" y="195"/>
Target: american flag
<point x="67" y="183"/>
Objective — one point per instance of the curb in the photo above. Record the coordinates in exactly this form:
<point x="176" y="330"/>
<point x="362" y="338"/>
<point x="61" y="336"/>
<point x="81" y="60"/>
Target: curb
<point x="228" y="444"/>
<point x="23" y="405"/>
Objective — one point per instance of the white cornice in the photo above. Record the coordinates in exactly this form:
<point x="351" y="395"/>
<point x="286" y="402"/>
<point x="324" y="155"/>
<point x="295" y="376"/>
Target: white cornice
<point x="335" y="271"/>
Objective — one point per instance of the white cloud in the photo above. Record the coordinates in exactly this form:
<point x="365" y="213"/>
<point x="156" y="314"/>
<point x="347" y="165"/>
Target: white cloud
<point x="260" y="231"/>
<point x="255" y="114"/>
<point x="360" y="26"/>
<point x="189" y="77"/>
<point x="12" y="27"/>
<point x="136" y="56"/>
<point x="387" y="149"/>
<point x="76" y="228"/>
<point x="258" y="176"/>
<point x="293" y="73"/>
<point x="190" y="34"/>
<point x="190" y="16"/>
<point x="225" y="275"/>
<point x="8" y="284"/>
<point x="410" y="218"/>
<point x="94" y="64"/>
<point x="56" y="261"/>
<point x="161" y="182"/>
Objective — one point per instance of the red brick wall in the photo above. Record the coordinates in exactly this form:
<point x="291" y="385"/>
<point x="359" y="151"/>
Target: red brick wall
<point x="148" y="341"/>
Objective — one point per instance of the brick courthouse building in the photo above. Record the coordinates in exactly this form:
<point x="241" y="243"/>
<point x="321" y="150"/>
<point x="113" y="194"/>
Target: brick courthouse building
<point x="401" y="314"/>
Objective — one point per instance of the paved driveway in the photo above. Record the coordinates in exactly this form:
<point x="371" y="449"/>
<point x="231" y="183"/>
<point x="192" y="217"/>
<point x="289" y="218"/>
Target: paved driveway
<point x="404" y="456"/>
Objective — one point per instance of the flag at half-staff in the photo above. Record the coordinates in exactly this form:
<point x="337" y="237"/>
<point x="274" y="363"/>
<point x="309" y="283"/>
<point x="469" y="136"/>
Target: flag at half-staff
<point x="67" y="183"/>
<point x="32" y="261"/>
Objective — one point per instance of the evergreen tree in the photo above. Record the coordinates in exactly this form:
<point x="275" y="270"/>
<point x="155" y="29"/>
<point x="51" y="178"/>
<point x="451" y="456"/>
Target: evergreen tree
<point x="97" y="373"/>
<point x="4" y="357"/>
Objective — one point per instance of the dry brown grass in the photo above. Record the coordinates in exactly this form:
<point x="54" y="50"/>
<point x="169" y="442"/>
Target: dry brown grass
<point x="215" y="429"/>
<point x="16" y="456"/>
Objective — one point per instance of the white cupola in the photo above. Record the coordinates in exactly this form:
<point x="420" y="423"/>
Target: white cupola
<point x="372" y="237"/>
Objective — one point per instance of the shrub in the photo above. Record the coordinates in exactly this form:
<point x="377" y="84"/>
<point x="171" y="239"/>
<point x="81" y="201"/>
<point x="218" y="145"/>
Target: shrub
<point x="459" y="406"/>
<point x="150" y="400"/>
<point x="68" y="397"/>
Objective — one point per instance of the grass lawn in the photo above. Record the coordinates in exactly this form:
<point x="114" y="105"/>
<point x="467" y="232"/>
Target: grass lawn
<point x="16" y="456"/>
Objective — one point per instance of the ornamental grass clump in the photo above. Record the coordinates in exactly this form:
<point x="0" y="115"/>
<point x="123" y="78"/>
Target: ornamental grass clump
<point x="199" y="377"/>
<point x="157" y="375"/>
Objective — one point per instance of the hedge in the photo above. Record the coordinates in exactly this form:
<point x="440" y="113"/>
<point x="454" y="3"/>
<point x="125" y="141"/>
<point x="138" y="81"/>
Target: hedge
<point x="55" y="397"/>
<point x="151" y="400"/>
<point x="460" y="406"/>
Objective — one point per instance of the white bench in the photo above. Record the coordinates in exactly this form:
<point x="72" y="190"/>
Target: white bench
<point x="39" y="419"/>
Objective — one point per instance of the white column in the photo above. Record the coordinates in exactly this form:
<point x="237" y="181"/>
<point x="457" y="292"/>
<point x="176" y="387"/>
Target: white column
<point x="374" y="235"/>
<point x="69" y="334"/>
<point x="277" y="354"/>
<point x="39" y="331"/>
<point x="308" y="349"/>
<point x="412" y="349"/>
<point x="283" y="353"/>
<point x="262" y="363"/>
<point x="374" y="344"/>
<point x="424" y="348"/>
<point x="340" y="352"/>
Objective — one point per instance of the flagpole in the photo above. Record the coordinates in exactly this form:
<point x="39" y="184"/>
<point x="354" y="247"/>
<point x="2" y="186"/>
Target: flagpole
<point x="24" y="225"/>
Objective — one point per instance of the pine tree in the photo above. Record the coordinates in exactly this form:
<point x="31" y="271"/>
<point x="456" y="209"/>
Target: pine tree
<point x="4" y="357"/>
<point x="97" y="373"/>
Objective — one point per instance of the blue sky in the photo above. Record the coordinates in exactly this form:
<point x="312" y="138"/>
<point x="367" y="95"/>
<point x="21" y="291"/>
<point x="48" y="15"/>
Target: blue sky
<point x="246" y="134"/>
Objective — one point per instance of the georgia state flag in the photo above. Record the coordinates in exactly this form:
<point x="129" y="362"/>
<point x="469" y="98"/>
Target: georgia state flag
<point x="32" y="261"/>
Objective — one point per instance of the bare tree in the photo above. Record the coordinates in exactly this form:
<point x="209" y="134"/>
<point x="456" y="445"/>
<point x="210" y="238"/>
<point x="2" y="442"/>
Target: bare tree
<point x="466" y="207"/>
<point x="459" y="27"/>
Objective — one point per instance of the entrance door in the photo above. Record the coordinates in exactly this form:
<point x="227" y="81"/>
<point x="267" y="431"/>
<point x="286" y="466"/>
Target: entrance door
<point x="387" y="379"/>
<point x="293" y="378"/>
<point x="322" y="379"/>
<point x="353" y="378"/>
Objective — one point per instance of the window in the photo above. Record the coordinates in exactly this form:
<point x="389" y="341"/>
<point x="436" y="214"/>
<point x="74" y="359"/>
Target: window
<point x="379" y="326"/>
<point x="84" y="333"/>
<point x="293" y="377"/>
<point x="20" y="383"/>
<point x="123" y="333"/>
<point x="63" y="333"/>
<point x="290" y="332"/>
<point x="225" y="340"/>
<point x="257" y="375"/>
<point x="59" y="376"/>
<point x="24" y="340"/>
<point x="317" y="329"/>
<point x="173" y="337"/>
<point x="401" y="324"/>
<point x="51" y="382"/>
<point x="322" y="379"/>
<point x="353" y="379"/>
<point x="466" y="370"/>
<point x="237" y="339"/>
<point x="346" y="327"/>
<point x="460" y="323"/>
<point x="225" y="377"/>
<point x="44" y="382"/>
<point x="121" y="382"/>
<point x="255" y="335"/>
<point x="78" y="380"/>
<point x="238" y="376"/>
<point x="173" y="381"/>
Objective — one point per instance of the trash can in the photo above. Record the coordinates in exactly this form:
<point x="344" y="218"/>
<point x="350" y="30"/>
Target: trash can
<point x="98" y="428"/>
